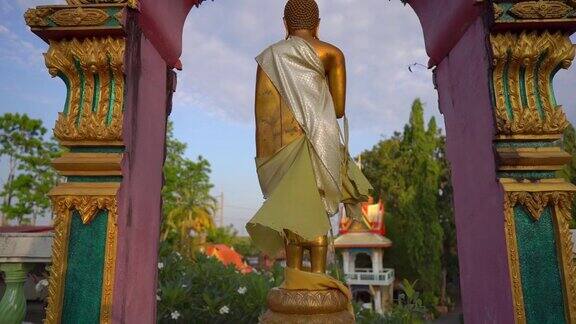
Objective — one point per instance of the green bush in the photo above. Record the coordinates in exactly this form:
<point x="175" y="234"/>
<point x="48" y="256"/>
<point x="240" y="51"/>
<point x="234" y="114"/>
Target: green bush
<point x="408" y="310"/>
<point x="203" y="290"/>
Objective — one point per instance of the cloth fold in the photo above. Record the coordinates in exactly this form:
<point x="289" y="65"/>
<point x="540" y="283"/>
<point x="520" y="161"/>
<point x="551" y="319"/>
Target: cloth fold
<point x="295" y="279"/>
<point x="299" y="76"/>
<point x="293" y="201"/>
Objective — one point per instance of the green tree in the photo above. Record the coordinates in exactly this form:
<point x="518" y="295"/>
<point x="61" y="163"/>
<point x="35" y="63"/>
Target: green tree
<point x="223" y="235"/>
<point x="187" y="203"/>
<point x="450" y="270"/>
<point x="27" y="155"/>
<point x="229" y="235"/>
<point x="409" y="173"/>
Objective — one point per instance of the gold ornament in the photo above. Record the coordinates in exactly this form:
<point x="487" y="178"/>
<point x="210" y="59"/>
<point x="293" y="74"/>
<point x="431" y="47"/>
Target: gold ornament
<point x="542" y="9"/>
<point x="535" y="202"/>
<point x="498" y="11"/>
<point x="93" y="71"/>
<point x="130" y="3"/>
<point x="79" y="17"/>
<point x="37" y="17"/>
<point x="563" y="213"/>
<point x="307" y="306"/>
<point x="88" y="207"/>
<point x="58" y="268"/>
<point x="524" y="65"/>
<point x="514" y="262"/>
<point x="307" y="302"/>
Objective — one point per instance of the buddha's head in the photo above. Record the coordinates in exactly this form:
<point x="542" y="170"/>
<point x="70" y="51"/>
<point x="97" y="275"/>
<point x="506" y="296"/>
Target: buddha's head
<point x="302" y="15"/>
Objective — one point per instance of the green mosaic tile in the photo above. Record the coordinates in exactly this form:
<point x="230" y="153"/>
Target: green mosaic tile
<point x="527" y="144"/>
<point x="97" y="149"/>
<point x="95" y="179"/>
<point x="539" y="271"/>
<point x="535" y="175"/>
<point x="83" y="285"/>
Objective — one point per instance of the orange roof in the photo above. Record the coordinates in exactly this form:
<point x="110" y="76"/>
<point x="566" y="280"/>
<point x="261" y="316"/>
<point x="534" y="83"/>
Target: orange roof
<point x="227" y="256"/>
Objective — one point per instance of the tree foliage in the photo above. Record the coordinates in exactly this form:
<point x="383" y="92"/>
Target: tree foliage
<point x="229" y="235"/>
<point x="410" y="173"/>
<point x="187" y="203"/>
<point x="27" y="154"/>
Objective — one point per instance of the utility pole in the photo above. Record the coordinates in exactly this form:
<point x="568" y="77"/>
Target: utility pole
<point x="222" y="209"/>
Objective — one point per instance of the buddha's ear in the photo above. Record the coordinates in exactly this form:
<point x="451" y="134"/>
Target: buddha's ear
<point x="286" y="28"/>
<point x="317" y="29"/>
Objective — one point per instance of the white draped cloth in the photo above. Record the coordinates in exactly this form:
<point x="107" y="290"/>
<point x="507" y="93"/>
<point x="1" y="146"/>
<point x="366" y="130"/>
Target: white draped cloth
<point x="299" y="76"/>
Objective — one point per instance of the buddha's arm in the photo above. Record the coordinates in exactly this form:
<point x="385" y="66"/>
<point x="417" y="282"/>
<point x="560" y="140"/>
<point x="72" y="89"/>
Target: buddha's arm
<point x="337" y="82"/>
<point x="267" y="102"/>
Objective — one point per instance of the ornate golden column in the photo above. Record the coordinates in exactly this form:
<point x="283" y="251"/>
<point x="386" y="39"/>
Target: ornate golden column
<point x="86" y="52"/>
<point x="530" y="44"/>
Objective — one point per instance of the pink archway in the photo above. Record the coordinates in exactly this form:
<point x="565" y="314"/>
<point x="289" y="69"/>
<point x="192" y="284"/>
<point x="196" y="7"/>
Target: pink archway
<point x="455" y="33"/>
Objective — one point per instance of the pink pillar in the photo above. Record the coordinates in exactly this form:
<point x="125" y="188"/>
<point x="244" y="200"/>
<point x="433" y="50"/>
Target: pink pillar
<point x="154" y="45"/>
<point x="458" y="40"/>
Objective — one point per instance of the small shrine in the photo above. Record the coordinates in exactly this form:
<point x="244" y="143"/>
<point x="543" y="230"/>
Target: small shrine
<point x="362" y="244"/>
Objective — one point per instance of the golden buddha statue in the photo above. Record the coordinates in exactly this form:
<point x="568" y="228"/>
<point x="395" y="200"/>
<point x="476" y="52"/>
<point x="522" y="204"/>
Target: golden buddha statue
<point x="303" y="165"/>
<point x="276" y="125"/>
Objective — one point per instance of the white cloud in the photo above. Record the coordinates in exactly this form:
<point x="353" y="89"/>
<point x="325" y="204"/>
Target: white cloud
<point x="7" y="6"/>
<point x="16" y="49"/>
<point x="380" y="40"/>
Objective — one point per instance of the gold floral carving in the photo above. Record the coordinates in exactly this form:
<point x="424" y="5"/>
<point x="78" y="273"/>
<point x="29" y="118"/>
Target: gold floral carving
<point x="58" y="267"/>
<point x="93" y="71"/>
<point x="37" y="17"/>
<point x="131" y="3"/>
<point x="535" y="203"/>
<point x="514" y="262"/>
<point x="306" y="301"/>
<point x="563" y="212"/>
<point x="498" y="11"/>
<point x="88" y="207"/>
<point x="79" y="17"/>
<point x="307" y="306"/>
<point x="524" y="65"/>
<point x="542" y="9"/>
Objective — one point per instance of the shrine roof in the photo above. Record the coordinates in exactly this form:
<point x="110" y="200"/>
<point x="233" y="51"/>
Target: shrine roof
<point x="362" y="240"/>
<point x="228" y="256"/>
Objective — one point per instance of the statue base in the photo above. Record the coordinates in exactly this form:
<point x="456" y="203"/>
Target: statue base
<point x="307" y="307"/>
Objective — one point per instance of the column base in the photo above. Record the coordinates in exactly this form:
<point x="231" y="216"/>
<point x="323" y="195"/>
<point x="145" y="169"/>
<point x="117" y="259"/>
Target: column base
<point x="307" y="307"/>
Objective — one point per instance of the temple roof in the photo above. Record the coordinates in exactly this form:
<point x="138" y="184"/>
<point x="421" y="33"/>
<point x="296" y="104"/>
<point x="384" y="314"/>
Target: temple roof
<point x="227" y="255"/>
<point x="362" y="240"/>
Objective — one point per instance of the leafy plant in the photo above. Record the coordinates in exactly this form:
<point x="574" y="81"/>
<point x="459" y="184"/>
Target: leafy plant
<point x="203" y="290"/>
<point x="408" y="310"/>
<point x="27" y="154"/>
<point x="187" y="203"/>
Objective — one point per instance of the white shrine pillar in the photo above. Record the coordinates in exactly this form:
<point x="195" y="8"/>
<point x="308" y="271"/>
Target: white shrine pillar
<point x="346" y="261"/>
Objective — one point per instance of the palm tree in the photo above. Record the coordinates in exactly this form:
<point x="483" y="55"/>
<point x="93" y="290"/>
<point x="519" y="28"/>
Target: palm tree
<point x="190" y="212"/>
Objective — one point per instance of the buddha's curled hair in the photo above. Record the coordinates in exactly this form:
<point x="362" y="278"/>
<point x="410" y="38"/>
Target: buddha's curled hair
<point x="301" y="14"/>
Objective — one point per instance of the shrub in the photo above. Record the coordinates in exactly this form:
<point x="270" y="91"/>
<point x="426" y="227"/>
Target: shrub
<point x="203" y="290"/>
<point x="408" y="310"/>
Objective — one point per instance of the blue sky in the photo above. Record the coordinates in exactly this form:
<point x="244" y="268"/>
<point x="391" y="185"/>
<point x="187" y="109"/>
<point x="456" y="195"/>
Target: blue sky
<point x="213" y="106"/>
